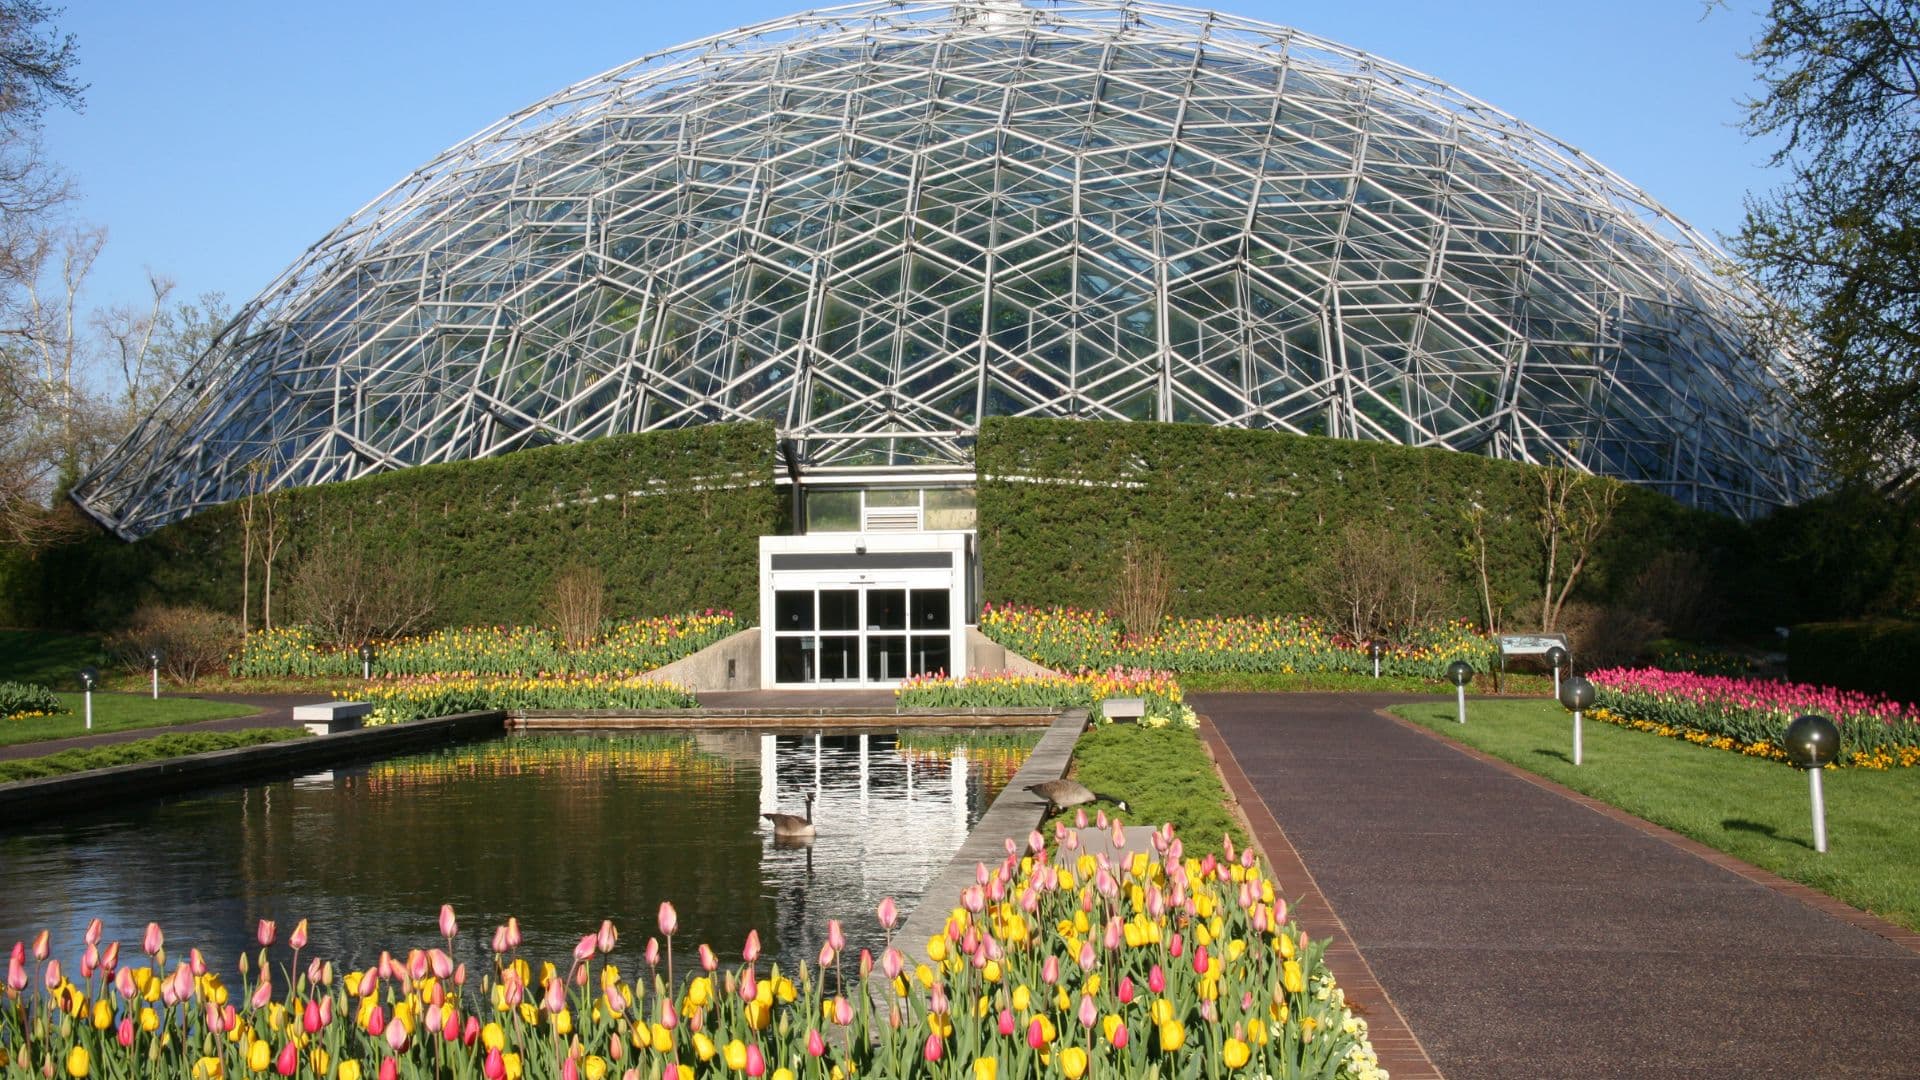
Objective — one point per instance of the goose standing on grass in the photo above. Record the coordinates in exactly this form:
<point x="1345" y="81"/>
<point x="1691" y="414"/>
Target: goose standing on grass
<point x="1063" y="793"/>
<point x="793" y="826"/>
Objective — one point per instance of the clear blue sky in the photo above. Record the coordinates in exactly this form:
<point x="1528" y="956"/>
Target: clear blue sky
<point x="220" y="139"/>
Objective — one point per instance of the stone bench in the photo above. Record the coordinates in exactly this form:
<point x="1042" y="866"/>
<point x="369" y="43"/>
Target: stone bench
<point x="1118" y="709"/>
<point x="331" y="716"/>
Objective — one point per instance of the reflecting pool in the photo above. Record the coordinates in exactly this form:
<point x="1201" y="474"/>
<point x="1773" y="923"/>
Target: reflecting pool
<point x="561" y="831"/>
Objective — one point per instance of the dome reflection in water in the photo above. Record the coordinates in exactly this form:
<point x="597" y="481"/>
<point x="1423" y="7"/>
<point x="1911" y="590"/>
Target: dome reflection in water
<point x="561" y="831"/>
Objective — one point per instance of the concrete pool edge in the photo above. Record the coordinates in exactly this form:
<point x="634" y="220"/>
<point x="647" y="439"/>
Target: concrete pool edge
<point x="23" y="801"/>
<point x="1015" y="813"/>
<point x="772" y="718"/>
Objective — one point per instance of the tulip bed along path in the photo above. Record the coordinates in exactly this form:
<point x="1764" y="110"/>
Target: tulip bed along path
<point x="1525" y="933"/>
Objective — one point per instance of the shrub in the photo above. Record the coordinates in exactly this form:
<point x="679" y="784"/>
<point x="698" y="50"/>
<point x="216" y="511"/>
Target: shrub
<point x="193" y="641"/>
<point x="1145" y="590"/>
<point x="1875" y="655"/>
<point x="1606" y="635"/>
<point x="18" y="701"/>
<point x="350" y="595"/>
<point x="576" y="603"/>
<point x="1372" y="579"/>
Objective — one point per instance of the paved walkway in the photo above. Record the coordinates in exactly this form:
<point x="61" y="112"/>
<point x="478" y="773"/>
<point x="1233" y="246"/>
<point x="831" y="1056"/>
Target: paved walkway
<point x="1522" y="933"/>
<point x="275" y="710"/>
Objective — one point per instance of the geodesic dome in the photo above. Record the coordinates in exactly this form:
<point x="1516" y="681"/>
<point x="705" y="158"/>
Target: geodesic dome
<point x="877" y="224"/>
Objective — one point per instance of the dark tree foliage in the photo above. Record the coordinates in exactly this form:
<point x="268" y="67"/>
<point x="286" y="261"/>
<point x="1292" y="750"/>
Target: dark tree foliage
<point x="1839" y="244"/>
<point x="36" y="64"/>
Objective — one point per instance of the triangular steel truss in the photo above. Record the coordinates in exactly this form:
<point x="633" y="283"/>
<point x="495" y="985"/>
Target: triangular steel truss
<point x="877" y="224"/>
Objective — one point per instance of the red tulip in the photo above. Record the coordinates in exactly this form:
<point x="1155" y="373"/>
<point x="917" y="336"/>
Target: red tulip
<point x="389" y="1069"/>
<point x="494" y="1068"/>
<point x="289" y="1060"/>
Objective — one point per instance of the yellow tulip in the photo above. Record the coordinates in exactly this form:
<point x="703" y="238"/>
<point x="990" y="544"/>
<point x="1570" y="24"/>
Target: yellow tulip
<point x="1291" y="977"/>
<point x="783" y="1074"/>
<point x="78" y="1063"/>
<point x="512" y="1064"/>
<point x="1108" y="1025"/>
<point x="1235" y="1053"/>
<point x="211" y="1068"/>
<point x="662" y="1039"/>
<point x="1022" y="997"/>
<point x="259" y="1055"/>
<point x="594" y="1067"/>
<point x="1257" y="1032"/>
<point x="1173" y="1035"/>
<point x="703" y="1047"/>
<point x="759" y="1014"/>
<point x="1073" y="1062"/>
<point x="1286" y="947"/>
<point x="991" y="972"/>
<point x="937" y="947"/>
<point x="562" y="1022"/>
<point x="736" y="1055"/>
<point x="1161" y="1011"/>
<point x="493" y="1036"/>
<point x="149" y="1020"/>
<point x="102" y="1015"/>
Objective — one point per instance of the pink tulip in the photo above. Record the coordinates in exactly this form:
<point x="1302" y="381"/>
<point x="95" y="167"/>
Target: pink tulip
<point x="396" y="1035"/>
<point x="816" y="1046"/>
<point x="669" y="1018"/>
<point x="616" y="1001"/>
<point x="1080" y="818"/>
<point x="888" y="912"/>
<point x="298" y="939"/>
<point x="1126" y="990"/>
<point x="153" y="940"/>
<point x="262" y="994"/>
<point x="449" y="926"/>
<point x="653" y="952"/>
<point x="389" y="1069"/>
<point x="1119" y="1039"/>
<point x="376" y="1022"/>
<point x="1156" y="980"/>
<point x="417" y="965"/>
<point x="197" y="962"/>
<point x="556" y="998"/>
<point x="41" y="948"/>
<point x="17" y="968"/>
<point x="749" y="986"/>
<point x="470" y="1032"/>
<point x="934" y="1049"/>
<point x="570" y="1069"/>
<point x="842" y="1011"/>
<point x="669" y="919"/>
<point x="1036" y="1035"/>
<point x="440" y="962"/>
<point x="826" y="955"/>
<point x="835" y="936"/>
<point x="495" y="1067"/>
<point x="751" y="951"/>
<point x="264" y="933"/>
<point x="756" y="1061"/>
<point x="310" y="1018"/>
<point x="92" y="936"/>
<point x="513" y="932"/>
<point x="1088" y="959"/>
<point x="122" y="982"/>
<point x="288" y="1062"/>
<point x="892" y="962"/>
<point x="499" y="940"/>
<point x="1050" y="970"/>
<point x="123" y="1033"/>
<point x="52" y="975"/>
<point x="1177" y="947"/>
<point x="608" y="936"/>
<point x="110" y="960"/>
<point x="89" y="960"/>
<point x="707" y="960"/>
<point x="1006" y="1022"/>
<point x="326" y="1010"/>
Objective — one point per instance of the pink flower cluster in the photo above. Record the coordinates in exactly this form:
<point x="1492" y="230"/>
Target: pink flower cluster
<point x="1770" y="697"/>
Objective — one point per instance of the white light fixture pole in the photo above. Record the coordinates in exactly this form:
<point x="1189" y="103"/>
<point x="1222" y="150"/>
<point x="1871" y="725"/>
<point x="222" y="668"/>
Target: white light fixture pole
<point x="88" y="676"/>
<point x="1812" y="742"/>
<point x="1576" y="694"/>
<point x="154" y="656"/>
<point x="1460" y="673"/>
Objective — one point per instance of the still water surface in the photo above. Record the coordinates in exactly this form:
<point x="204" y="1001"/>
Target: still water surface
<point x="560" y="830"/>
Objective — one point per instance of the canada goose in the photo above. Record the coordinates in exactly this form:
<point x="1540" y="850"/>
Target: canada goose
<point x="793" y="826"/>
<point x="1063" y="793"/>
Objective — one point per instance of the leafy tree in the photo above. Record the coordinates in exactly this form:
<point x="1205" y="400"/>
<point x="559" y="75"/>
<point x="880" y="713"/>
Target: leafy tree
<point x="1839" y="244"/>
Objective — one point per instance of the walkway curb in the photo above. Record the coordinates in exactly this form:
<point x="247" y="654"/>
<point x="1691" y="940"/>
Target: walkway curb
<point x="1399" y="1050"/>
<point x="1819" y="901"/>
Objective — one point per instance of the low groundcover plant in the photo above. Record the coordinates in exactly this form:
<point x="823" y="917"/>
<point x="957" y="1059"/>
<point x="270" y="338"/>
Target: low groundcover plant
<point x="1057" y="961"/>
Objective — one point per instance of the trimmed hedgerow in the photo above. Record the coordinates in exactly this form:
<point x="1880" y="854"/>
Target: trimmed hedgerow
<point x="1875" y="656"/>
<point x="671" y="519"/>
<point x="1244" y="516"/>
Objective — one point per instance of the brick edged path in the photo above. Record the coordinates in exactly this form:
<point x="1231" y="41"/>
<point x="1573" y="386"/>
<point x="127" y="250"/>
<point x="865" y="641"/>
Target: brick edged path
<point x="1524" y="932"/>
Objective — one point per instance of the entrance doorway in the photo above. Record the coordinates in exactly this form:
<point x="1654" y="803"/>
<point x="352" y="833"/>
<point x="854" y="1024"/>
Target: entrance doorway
<point x="861" y="633"/>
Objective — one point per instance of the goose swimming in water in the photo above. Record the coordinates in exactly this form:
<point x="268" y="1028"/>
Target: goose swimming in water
<point x="1063" y="793"/>
<point x="793" y="826"/>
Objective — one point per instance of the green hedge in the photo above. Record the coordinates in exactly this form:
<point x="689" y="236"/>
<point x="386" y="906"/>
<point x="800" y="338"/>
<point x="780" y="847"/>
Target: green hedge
<point x="671" y="518"/>
<point x="1243" y="515"/>
<point x="1876" y="655"/>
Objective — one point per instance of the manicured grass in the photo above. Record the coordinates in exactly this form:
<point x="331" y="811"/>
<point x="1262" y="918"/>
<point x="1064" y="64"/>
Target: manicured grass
<point x="162" y="746"/>
<point x="1196" y="682"/>
<point x="1751" y="809"/>
<point x="1163" y="773"/>
<point x="48" y="658"/>
<point x="116" y="712"/>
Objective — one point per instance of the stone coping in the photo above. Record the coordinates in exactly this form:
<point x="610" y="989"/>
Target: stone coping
<point x="1014" y="813"/>
<point x="28" y="800"/>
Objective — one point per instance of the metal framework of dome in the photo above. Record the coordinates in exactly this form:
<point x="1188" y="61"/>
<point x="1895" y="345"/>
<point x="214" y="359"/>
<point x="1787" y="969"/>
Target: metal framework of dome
<point x="877" y="224"/>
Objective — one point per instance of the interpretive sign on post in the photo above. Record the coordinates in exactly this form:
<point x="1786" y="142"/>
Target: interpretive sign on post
<point x="1525" y="645"/>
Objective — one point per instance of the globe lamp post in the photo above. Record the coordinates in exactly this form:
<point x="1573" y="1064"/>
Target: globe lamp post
<point x="1460" y="673"/>
<point x="1377" y="648"/>
<point x="1811" y="743"/>
<point x="1556" y="659"/>
<point x="154" y="656"/>
<point x="89" y="676"/>
<point x="1576" y="694"/>
<point x="366" y="660"/>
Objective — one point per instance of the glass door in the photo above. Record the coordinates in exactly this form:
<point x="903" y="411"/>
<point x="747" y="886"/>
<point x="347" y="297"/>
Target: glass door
<point x="861" y="634"/>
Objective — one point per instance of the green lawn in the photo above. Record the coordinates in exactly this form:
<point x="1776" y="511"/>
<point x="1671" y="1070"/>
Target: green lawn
<point x="1164" y="774"/>
<point x="162" y="746"/>
<point x="1755" y="810"/>
<point x="116" y="712"/>
<point x="50" y="659"/>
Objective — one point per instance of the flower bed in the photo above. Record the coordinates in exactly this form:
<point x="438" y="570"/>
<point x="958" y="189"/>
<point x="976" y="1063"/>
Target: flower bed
<point x="1086" y="690"/>
<point x="1751" y="715"/>
<point x="434" y="695"/>
<point x="635" y="645"/>
<point x="24" y="701"/>
<point x="1072" y="639"/>
<point x="1058" y="963"/>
